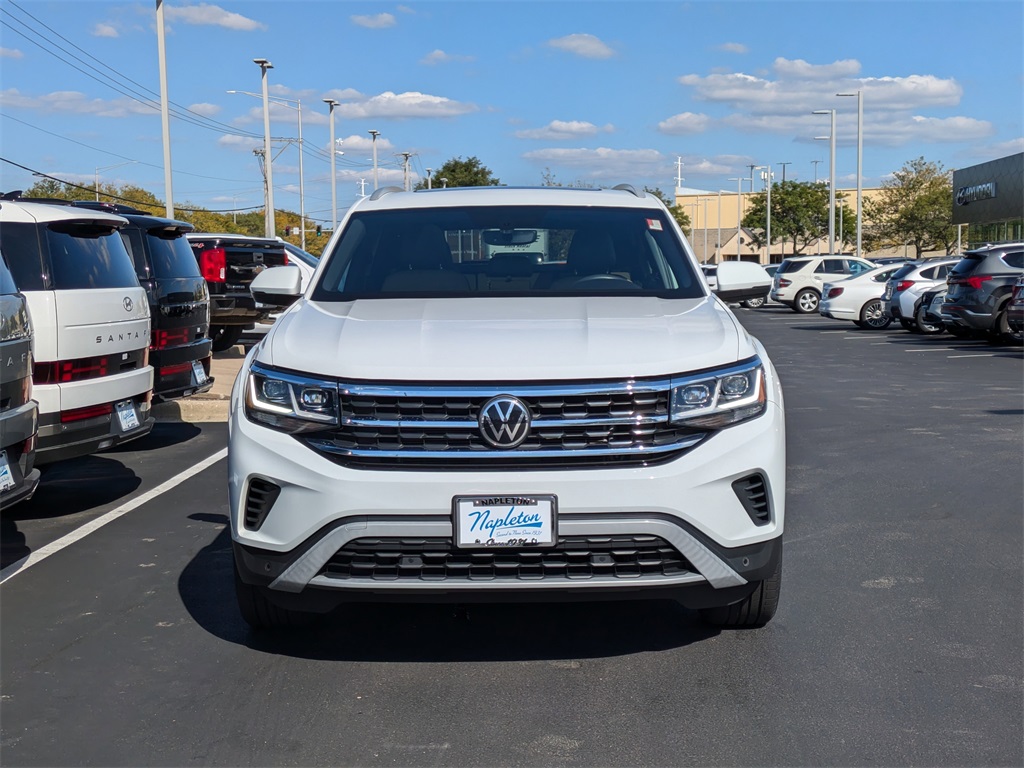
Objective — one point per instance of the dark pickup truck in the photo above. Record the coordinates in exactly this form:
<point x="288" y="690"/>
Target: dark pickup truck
<point x="229" y="263"/>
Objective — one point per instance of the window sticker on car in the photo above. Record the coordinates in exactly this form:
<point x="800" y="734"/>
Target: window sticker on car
<point x="654" y="224"/>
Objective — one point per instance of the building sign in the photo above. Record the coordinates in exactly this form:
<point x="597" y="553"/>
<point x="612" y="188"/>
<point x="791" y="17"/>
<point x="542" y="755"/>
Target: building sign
<point x="976" y="192"/>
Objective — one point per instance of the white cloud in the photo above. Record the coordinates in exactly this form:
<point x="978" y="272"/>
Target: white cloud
<point x="104" y="30"/>
<point x="73" y="102"/>
<point x="733" y="48"/>
<point x="798" y="69"/>
<point x="935" y="130"/>
<point x="378" y="21"/>
<point x="563" y="129"/>
<point x="206" y="110"/>
<point x="440" y="57"/>
<point x="1002" y="149"/>
<point x="11" y="53"/>
<point x="403" y="105"/>
<point x="605" y="163"/>
<point x="582" y="44"/>
<point x="684" y="124"/>
<point x="406" y="9"/>
<point x="359" y="143"/>
<point x="211" y="15"/>
<point x="344" y="94"/>
<point x="243" y="143"/>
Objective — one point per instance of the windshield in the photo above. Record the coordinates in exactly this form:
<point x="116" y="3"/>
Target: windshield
<point x="507" y="250"/>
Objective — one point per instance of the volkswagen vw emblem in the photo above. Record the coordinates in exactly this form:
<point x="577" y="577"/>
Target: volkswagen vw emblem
<point x="504" y="421"/>
<point x="128" y="304"/>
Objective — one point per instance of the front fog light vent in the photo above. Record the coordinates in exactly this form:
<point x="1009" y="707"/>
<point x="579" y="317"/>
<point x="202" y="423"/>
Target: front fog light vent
<point x="261" y="497"/>
<point x="752" y="491"/>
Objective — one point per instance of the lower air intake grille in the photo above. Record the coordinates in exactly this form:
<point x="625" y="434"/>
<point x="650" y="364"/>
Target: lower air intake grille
<point x="262" y="495"/>
<point x="573" y="558"/>
<point x="753" y="495"/>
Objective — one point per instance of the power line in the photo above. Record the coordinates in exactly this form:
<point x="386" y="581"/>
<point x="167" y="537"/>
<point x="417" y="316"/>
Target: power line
<point x="123" y="199"/>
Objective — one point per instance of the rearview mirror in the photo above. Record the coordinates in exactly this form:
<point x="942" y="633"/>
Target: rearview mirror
<point x="742" y="280"/>
<point x="509" y="236"/>
<point x="277" y="286"/>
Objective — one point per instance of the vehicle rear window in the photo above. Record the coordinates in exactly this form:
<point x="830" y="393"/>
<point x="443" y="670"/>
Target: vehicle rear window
<point x="903" y="271"/>
<point x="791" y="266"/>
<point x="969" y="263"/>
<point x="509" y="250"/>
<point x="20" y="244"/>
<point x="86" y="255"/>
<point x="171" y="254"/>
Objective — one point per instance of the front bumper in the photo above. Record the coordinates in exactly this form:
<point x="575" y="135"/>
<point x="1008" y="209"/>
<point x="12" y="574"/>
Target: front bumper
<point x="689" y="502"/>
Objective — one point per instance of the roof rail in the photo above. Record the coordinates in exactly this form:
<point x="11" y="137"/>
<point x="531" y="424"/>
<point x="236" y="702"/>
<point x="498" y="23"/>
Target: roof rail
<point x="379" y="193"/>
<point x="629" y="188"/>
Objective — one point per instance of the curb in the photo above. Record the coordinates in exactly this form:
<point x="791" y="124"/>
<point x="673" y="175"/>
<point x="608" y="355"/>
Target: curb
<point x="193" y="409"/>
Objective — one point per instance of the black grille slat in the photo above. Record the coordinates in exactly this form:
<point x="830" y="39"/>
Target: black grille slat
<point x="260" y="498"/>
<point x="573" y="558"/>
<point x="752" y="492"/>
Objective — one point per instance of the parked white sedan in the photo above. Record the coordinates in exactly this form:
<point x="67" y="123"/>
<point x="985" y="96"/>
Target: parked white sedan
<point x="859" y="298"/>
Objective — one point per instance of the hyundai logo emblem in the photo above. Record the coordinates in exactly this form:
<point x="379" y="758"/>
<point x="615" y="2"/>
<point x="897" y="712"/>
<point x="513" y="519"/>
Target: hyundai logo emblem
<point x="128" y="304"/>
<point x="504" y="421"/>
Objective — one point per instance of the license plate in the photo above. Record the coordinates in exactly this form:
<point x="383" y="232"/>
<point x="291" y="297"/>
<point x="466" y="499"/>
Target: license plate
<point x="198" y="372"/>
<point x="482" y="522"/>
<point x="126" y="413"/>
<point x="6" y="478"/>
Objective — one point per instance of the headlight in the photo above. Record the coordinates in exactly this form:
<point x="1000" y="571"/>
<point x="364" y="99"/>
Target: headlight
<point x="719" y="398"/>
<point x="290" y="403"/>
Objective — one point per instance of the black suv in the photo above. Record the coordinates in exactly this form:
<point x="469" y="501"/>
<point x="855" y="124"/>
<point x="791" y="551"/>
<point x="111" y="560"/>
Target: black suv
<point x="179" y="302"/>
<point x="229" y="263"/>
<point x="979" y="290"/>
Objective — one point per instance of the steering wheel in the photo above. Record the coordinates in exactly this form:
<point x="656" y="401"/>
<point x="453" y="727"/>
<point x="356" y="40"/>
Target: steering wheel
<point x="596" y="280"/>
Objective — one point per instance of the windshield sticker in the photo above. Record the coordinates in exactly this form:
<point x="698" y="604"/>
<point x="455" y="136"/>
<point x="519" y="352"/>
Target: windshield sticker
<point x="654" y="224"/>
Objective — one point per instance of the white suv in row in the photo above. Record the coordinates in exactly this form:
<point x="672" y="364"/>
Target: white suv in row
<point x="501" y="393"/>
<point x="799" y="279"/>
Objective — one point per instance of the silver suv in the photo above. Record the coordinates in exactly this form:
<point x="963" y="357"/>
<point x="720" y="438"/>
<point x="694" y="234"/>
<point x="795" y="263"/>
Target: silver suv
<point x="799" y="279"/>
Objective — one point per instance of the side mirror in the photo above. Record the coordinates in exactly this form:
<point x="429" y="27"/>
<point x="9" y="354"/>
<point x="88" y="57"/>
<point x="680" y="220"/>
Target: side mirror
<point x="742" y="280"/>
<point x="277" y="286"/>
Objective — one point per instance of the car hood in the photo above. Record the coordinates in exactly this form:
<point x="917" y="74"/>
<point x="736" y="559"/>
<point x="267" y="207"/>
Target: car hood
<point x="505" y="339"/>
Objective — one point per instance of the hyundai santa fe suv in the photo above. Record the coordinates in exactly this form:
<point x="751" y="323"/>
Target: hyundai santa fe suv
<point x="444" y="415"/>
<point x="980" y="289"/>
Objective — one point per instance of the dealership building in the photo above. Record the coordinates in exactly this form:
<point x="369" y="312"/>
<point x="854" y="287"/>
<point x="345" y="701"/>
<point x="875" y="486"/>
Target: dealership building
<point x="988" y="201"/>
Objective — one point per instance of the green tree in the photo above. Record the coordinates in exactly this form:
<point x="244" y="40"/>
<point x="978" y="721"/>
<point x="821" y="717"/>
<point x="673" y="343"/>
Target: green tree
<point x="799" y="215"/>
<point x="914" y="207"/>
<point x="681" y="217"/>
<point x="463" y="173"/>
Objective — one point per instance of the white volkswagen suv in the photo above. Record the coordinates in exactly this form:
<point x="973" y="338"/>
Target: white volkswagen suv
<point x="499" y="393"/>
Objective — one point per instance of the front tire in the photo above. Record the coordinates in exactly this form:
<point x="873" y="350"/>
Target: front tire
<point x="806" y="301"/>
<point x="908" y="325"/>
<point x="873" y="316"/>
<point x="756" y="610"/>
<point x="1002" y="333"/>
<point x="224" y="337"/>
<point x="753" y="303"/>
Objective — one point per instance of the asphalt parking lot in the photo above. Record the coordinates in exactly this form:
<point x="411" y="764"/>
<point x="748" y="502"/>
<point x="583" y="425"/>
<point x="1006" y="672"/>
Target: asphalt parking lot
<point x="898" y="641"/>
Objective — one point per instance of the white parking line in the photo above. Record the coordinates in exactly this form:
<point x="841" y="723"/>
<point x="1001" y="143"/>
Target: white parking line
<point x="833" y="331"/>
<point x="932" y="349"/>
<point x="953" y="357"/>
<point x="80" y="533"/>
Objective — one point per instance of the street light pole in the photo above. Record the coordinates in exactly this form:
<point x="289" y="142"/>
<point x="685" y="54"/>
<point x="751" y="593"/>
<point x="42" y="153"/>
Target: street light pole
<point x="165" y="121"/>
<point x="831" y="176"/>
<point x="270" y="226"/>
<point x="331" y="104"/>
<point x="860" y="147"/>
<point x="376" y="182"/>
<point x="96" y="180"/>
<point x="429" y="170"/>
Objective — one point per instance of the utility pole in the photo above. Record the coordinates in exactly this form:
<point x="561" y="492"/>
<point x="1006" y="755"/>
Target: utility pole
<point x="739" y="214"/>
<point x="270" y="225"/>
<point x="429" y="171"/>
<point x="679" y="172"/>
<point x="815" y="164"/>
<point x="331" y="104"/>
<point x="752" y="169"/>
<point x="783" y="171"/>
<point x="376" y="179"/>
<point x="362" y="187"/>
<point x="405" y="168"/>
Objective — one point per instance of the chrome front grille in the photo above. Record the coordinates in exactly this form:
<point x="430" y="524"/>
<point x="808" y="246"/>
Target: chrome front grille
<point x="588" y="425"/>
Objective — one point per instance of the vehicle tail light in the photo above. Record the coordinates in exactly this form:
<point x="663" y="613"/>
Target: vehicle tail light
<point x="784" y="283"/>
<point x="833" y="292"/>
<point x="89" y="412"/>
<point x="213" y="264"/>
<point x="64" y="371"/>
<point x="902" y="285"/>
<point x="174" y="337"/>
<point x="1018" y="291"/>
<point x="974" y="281"/>
<point x="170" y="370"/>
<point x="286" y="260"/>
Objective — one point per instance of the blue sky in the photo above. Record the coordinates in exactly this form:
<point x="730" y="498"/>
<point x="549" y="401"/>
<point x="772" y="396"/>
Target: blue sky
<point x="594" y="92"/>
